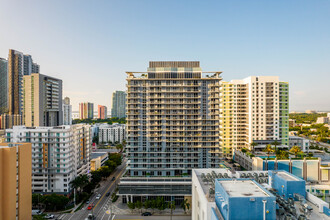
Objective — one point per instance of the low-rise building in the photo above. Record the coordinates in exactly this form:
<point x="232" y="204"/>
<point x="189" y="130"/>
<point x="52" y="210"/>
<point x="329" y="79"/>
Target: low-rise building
<point x="310" y="170"/>
<point x="221" y="194"/>
<point x="301" y="142"/>
<point x="112" y="133"/>
<point x="59" y="154"/>
<point x="98" y="159"/>
<point x="322" y="120"/>
<point x="15" y="181"/>
<point x="292" y="122"/>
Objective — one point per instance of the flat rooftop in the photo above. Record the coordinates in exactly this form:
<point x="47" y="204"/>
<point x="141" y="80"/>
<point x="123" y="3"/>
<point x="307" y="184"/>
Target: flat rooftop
<point x="287" y="176"/>
<point x="243" y="188"/>
<point x="97" y="154"/>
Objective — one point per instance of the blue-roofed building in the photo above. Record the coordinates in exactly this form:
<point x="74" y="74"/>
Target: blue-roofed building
<point x="287" y="184"/>
<point x="243" y="199"/>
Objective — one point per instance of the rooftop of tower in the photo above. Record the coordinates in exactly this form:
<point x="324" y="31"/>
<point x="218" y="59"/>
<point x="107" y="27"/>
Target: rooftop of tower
<point x="174" y="64"/>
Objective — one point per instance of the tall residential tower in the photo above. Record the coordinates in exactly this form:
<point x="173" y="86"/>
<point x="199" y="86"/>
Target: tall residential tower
<point x="254" y="109"/>
<point x="42" y="100"/>
<point x="3" y="86"/>
<point x="19" y="65"/>
<point x="86" y="110"/>
<point x="67" y="111"/>
<point x="118" y="104"/>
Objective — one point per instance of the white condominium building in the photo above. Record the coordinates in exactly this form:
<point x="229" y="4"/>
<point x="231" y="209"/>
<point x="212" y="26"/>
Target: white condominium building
<point x="254" y="109"/>
<point x="112" y="133"/>
<point x="59" y="154"/>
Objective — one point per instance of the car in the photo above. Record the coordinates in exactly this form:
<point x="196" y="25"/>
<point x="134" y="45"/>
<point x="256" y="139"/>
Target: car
<point x="146" y="214"/>
<point x="113" y="178"/>
<point x="90" y="206"/>
<point x="87" y="202"/>
<point x="98" y="197"/>
<point x="36" y="212"/>
<point x="49" y="216"/>
<point x="108" y="194"/>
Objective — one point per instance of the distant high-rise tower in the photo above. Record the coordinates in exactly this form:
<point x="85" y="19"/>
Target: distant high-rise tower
<point x="255" y="109"/>
<point x="118" y="104"/>
<point x="67" y="111"/>
<point x="102" y="111"/>
<point x="42" y="100"/>
<point x="18" y="66"/>
<point x="86" y="110"/>
<point x="3" y="86"/>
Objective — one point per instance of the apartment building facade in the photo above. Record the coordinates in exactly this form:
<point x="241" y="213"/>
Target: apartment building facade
<point x="112" y="133"/>
<point x="118" y="104"/>
<point x="59" y="154"/>
<point x="86" y="110"/>
<point x="67" y="111"/>
<point x="173" y="119"/>
<point x="15" y="181"/>
<point x="255" y="109"/>
<point x="42" y="101"/>
<point x="19" y="65"/>
<point x="102" y="112"/>
<point x="3" y="86"/>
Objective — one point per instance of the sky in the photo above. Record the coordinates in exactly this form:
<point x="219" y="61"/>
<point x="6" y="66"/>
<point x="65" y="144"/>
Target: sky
<point x="90" y="44"/>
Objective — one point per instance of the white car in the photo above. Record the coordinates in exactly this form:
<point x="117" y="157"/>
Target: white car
<point x="98" y="196"/>
<point x="49" y="216"/>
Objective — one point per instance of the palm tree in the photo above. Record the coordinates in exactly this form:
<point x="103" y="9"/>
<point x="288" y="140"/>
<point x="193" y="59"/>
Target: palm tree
<point x="295" y="150"/>
<point x="268" y="149"/>
<point x="185" y="205"/>
<point x="79" y="182"/>
<point x="171" y="205"/>
<point x="276" y="143"/>
<point x="252" y="145"/>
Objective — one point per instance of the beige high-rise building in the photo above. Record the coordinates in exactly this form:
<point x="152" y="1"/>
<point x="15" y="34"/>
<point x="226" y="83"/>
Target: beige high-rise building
<point x="42" y="100"/>
<point x="15" y="181"/>
<point x="254" y="109"/>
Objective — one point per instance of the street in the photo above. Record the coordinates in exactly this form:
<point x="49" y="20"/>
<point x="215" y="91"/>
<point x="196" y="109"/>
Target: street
<point x="102" y="207"/>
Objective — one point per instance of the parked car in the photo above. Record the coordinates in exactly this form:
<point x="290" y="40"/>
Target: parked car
<point x="49" y="216"/>
<point x="113" y="178"/>
<point x="90" y="206"/>
<point x="98" y="196"/>
<point x="90" y="217"/>
<point x="108" y="194"/>
<point x="36" y="212"/>
<point x="146" y="214"/>
<point x="87" y="202"/>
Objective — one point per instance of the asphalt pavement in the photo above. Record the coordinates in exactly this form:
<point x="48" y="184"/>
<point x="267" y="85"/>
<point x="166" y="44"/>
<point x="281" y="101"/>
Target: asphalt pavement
<point x="102" y="206"/>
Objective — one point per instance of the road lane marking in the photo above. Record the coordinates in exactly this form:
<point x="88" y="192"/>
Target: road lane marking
<point x="108" y="188"/>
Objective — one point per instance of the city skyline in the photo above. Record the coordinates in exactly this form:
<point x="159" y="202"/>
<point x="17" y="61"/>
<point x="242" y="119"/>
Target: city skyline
<point x="241" y="39"/>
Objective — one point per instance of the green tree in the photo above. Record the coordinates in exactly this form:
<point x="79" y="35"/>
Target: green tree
<point x="119" y="147"/>
<point x="104" y="171"/>
<point x="295" y="150"/>
<point x="275" y="144"/>
<point x="185" y="206"/>
<point x="96" y="139"/>
<point x="253" y="145"/>
<point x="147" y="204"/>
<point x="171" y="205"/>
<point x="139" y="205"/>
<point x="161" y="205"/>
<point x="131" y="205"/>
<point x="55" y="202"/>
<point x="79" y="182"/>
<point x="268" y="149"/>
<point x="282" y="155"/>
